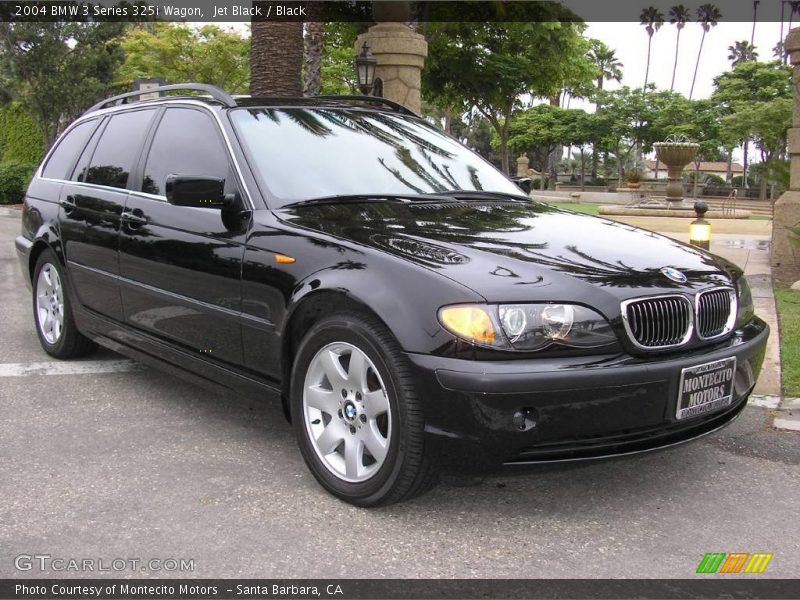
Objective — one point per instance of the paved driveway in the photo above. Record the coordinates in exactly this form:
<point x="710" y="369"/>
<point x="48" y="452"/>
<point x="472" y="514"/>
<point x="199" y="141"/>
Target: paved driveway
<point x="103" y="459"/>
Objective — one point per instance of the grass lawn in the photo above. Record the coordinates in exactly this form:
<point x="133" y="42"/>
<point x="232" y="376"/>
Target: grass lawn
<point x="788" y="303"/>
<point x="591" y="209"/>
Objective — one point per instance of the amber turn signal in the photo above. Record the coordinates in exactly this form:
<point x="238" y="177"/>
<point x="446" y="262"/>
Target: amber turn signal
<point x="470" y="322"/>
<point x="283" y="259"/>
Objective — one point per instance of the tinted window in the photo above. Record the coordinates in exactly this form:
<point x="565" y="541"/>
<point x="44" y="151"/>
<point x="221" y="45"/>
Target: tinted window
<point x="187" y="142"/>
<point x="118" y="149"/>
<point x="79" y="172"/>
<point x="67" y="150"/>
<point x="305" y="153"/>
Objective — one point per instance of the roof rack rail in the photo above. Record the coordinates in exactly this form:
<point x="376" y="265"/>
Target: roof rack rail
<point x="211" y="90"/>
<point x="374" y="100"/>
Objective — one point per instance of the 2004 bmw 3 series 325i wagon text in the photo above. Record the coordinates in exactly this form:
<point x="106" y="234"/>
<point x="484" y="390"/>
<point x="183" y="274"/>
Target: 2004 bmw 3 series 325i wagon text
<point x="413" y="309"/>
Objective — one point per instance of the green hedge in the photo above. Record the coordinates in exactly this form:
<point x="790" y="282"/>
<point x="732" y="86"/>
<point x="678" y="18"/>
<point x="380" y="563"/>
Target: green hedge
<point x="14" y="179"/>
<point x="20" y="137"/>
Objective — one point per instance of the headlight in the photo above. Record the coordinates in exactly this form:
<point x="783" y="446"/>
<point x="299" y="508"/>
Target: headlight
<point x="745" y="297"/>
<point x="528" y="327"/>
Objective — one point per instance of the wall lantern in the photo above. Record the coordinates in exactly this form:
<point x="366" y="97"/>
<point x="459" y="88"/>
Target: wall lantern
<point x="700" y="229"/>
<point x="365" y="69"/>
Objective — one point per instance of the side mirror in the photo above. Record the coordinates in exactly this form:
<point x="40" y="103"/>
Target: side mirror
<point x="197" y="192"/>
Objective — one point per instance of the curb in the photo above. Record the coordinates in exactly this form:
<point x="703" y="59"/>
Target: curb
<point x="10" y="212"/>
<point x="786" y="411"/>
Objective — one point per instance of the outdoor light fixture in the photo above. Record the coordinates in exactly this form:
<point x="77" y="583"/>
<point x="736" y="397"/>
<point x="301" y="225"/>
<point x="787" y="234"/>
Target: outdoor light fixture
<point x="700" y="229"/>
<point x="365" y="68"/>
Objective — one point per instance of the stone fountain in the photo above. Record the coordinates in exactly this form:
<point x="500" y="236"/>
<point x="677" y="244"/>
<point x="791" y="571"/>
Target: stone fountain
<point x="675" y="152"/>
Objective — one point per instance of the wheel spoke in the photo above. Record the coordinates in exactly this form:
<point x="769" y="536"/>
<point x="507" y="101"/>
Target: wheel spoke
<point x="333" y="369"/>
<point x="376" y="403"/>
<point x="353" y="456"/>
<point x="357" y="371"/>
<point x="374" y="442"/>
<point x="331" y="437"/>
<point x="322" y="399"/>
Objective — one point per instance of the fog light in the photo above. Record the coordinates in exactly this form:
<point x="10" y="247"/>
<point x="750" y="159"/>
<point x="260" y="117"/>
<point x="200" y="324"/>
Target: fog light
<point x="700" y="229"/>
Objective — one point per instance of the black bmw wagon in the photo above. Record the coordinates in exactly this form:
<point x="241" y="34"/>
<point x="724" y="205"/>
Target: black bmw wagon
<point x="415" y="312"/>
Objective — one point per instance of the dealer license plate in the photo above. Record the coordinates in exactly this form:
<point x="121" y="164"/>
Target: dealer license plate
<point x="706" y="388"/>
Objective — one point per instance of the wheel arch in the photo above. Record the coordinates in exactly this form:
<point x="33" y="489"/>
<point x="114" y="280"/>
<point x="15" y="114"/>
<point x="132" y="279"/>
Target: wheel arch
<point x="302" y="316"/>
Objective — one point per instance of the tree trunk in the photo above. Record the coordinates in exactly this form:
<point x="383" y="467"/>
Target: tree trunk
<point x="696" y="178"/>
<point x="675" y="64"/>
<point x="729" y="171"/>
<point x="312" y="67"/>
<point x="745" y="165"/>
<point x="583" y="169"/>
<point x="276" y="58"/>
<point x="647" y="69"/>
<point x="697" y="64"/>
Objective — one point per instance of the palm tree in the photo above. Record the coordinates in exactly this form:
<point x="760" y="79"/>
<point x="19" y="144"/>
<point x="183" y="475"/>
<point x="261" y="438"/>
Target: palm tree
<point x="742" y="51"/>
<point x="678" y="16"/>
<point x="707" y="15"/>
<point x="755" y="18"/>
<point x="608" y="67"/>
<point x="652" y="19"/>
<point x="779" y="52"/>
<point x="276" y="58"/>
<point x="312" y="60"/>
<point x="606" y="62"/>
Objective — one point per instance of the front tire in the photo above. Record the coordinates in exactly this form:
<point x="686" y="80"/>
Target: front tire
<point x="356" y="414"/>
<point x="52" y="311"/>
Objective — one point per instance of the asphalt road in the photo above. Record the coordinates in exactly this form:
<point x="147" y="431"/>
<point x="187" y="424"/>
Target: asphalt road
<point x="131" y="463"/>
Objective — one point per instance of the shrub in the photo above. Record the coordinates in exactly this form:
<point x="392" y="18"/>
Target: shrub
<point x="14" y="179"/>
<point x="20" y="137"/>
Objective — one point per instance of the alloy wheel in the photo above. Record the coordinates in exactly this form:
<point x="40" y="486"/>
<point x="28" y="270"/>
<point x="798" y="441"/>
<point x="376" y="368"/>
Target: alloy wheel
<point x="49" y="304"/>
<point x="347" y="412"/>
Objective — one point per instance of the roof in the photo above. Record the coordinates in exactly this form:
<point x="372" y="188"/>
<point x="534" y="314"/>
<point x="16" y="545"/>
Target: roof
<point x="705" y="166"/>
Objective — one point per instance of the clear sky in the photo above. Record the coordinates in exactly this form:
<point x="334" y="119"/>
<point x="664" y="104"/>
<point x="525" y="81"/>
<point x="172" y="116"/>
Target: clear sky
<point x="630" y="42"/>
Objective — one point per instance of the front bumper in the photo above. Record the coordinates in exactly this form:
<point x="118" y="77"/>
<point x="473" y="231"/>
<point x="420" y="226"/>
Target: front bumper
<point x="481" y="414"/>
<point x="23" y="246"/>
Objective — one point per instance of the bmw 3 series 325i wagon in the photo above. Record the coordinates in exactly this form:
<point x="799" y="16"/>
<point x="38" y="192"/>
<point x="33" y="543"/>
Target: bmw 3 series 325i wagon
<point x="413" y="309"/>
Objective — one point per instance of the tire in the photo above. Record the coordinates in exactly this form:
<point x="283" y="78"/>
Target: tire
<point x="52" y="311"/>
<point x="370" y="402"/>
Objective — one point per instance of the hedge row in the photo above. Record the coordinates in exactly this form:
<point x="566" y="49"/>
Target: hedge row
<point x="14" y="179"/>
<point x="20" y="137"/>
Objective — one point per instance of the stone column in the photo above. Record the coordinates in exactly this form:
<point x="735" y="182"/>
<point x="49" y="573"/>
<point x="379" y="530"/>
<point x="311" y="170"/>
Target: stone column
<point x="401" y="54"/>
<point x="523" y="162"/>
<point x="785" y="244"/>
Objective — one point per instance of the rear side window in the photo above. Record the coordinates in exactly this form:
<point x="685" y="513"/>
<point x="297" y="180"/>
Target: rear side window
<point x="118" y="149"/>
<point x="67" y="150"/>
<point x="187" y="142"/>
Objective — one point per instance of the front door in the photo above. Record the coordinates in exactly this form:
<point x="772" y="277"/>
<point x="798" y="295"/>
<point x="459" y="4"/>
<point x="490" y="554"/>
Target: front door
<point x="181" y="266"/>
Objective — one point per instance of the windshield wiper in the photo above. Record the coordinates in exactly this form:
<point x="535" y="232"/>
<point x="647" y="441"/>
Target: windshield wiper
<point x="481" y="195"/>
<point x="365" y="198"/>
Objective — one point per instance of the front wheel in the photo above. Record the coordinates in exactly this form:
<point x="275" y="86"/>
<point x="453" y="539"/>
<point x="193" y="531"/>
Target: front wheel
<point x="356" y="413"/>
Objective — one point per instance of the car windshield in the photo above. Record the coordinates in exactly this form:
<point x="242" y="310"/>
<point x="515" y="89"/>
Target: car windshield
<point x="301" y="153"/>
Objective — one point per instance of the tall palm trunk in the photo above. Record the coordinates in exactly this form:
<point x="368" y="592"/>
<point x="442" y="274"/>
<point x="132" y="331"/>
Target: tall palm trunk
<point x="594" y="146"/>
<point x="647" y="69"/>
<point x="312" y="68"/>
<point x="276" y="58"/>
<point x="697" y="64"/>
<point x="675" y="63"/>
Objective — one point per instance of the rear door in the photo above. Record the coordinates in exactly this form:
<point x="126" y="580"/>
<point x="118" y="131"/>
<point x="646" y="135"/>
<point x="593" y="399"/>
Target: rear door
<point x="181" y="266"/>
<point x="91" y="209"/>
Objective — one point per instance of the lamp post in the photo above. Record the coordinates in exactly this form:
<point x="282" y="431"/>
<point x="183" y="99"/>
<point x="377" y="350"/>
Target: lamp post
<point x="700" y="229"/>
<point x="365" y="69"/>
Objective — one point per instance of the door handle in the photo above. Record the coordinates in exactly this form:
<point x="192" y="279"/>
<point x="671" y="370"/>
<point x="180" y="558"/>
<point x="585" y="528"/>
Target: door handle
<point x="134" y="218"/>
<point x="68" y="204"/>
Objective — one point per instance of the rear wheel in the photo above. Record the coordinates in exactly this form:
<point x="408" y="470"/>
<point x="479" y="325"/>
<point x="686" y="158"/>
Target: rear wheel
<point x="356" y="414"/>
<point x="52" y="311"/>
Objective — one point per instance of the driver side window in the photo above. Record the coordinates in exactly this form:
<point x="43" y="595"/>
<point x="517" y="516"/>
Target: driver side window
<point x="187" y="142"/>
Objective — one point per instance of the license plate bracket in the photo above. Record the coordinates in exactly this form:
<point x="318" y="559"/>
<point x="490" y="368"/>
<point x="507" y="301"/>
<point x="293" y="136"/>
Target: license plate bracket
<point x="705" y="388"/>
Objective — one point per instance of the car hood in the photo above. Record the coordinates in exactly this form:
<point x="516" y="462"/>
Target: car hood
<point x="517" y="251"/>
